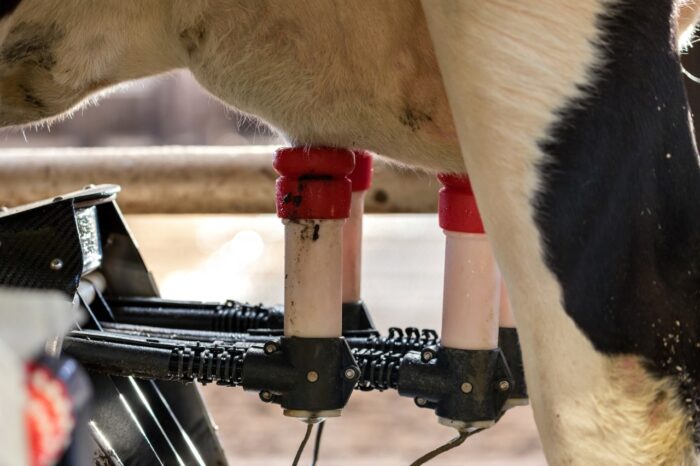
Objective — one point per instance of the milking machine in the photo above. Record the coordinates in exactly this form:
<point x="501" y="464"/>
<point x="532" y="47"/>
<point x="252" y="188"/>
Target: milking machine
<point x="143" y="353"/>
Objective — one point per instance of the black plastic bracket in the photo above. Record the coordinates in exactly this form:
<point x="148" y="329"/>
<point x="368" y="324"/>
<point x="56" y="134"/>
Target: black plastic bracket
<point x="308" y="377"/>
<point x="509" y="343"/>
<point x="466" y="388"/>
<point x="357" y="320"/>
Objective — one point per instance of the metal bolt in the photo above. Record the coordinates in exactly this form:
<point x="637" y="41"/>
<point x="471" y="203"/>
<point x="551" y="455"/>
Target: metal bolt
<point x="266" y="396"/>
<point x="503" y="385"/>
<point x="427" y="355"/>
<point x="421" y="401"/>
<point x="312" y="376"/>
<point x="350" y="373"/>
<point x="466" y="387"/>
<point x="270" y="347"/>
<point x="56" y="264"/>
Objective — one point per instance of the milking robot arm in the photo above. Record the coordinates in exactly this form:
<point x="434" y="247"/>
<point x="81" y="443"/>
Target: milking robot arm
<point x="136" y="345"/>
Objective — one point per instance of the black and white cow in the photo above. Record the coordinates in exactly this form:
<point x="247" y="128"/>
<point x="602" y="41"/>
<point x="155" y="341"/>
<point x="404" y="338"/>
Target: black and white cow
<point x="569" y="115"/>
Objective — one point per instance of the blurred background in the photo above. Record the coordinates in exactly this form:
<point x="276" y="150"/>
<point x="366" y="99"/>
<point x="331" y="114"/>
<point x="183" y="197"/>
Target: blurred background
<point x="230" y="254"/>
<point x="170" y="110"/>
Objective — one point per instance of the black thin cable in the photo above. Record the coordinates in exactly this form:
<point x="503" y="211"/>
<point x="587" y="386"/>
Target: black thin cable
<point x="303" y="444"/>
<point x="87" y="307"/>
<point x="454" y="443"/>
<point x="317" y="442"/>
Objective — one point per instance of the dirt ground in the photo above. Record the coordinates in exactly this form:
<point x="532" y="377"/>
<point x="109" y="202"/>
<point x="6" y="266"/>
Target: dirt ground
<point x="241" y="257"/>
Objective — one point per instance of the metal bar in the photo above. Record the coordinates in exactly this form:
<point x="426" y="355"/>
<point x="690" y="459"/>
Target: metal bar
<point x="186" y="179"/>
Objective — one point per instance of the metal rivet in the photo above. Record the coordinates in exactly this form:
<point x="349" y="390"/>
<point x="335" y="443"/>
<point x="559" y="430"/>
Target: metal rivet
<point x="88" y="186"/>
<point x="56" y="264"/>
<point x="466" y="387"/>
<point x="503" y="385"/>
<point x="312" y="376"/>
<point x="427" y="355"/>
<point x="266" y="396"/>
<point x="58" y="198"/>
<point x="270" y="347"/>
<point x="350" y="373"/>
<point x="421" y="401"/>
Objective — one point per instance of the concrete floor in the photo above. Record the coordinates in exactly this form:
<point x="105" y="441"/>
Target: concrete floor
<point x="241" y="257"/>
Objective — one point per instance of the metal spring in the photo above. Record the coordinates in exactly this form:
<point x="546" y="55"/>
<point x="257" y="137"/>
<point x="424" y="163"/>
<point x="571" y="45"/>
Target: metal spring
<point x="378" y="370"/>
<point x="239" y="318"/>
<point x="403" y="341"/>
<point x="207" y="364"/>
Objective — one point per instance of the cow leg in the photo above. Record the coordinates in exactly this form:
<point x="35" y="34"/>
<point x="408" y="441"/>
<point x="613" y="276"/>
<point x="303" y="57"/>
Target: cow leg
<point x="549" y="124"/>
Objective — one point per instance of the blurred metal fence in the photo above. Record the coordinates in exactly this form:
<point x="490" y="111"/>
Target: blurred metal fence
<point x="186" y="179"/>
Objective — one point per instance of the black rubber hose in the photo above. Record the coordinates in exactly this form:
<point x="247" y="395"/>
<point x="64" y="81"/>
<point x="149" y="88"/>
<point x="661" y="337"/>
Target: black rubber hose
<point x="120" y="359"/>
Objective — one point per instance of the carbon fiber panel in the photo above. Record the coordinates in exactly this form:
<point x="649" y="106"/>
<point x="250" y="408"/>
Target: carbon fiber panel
<point x="40" y="248"/>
